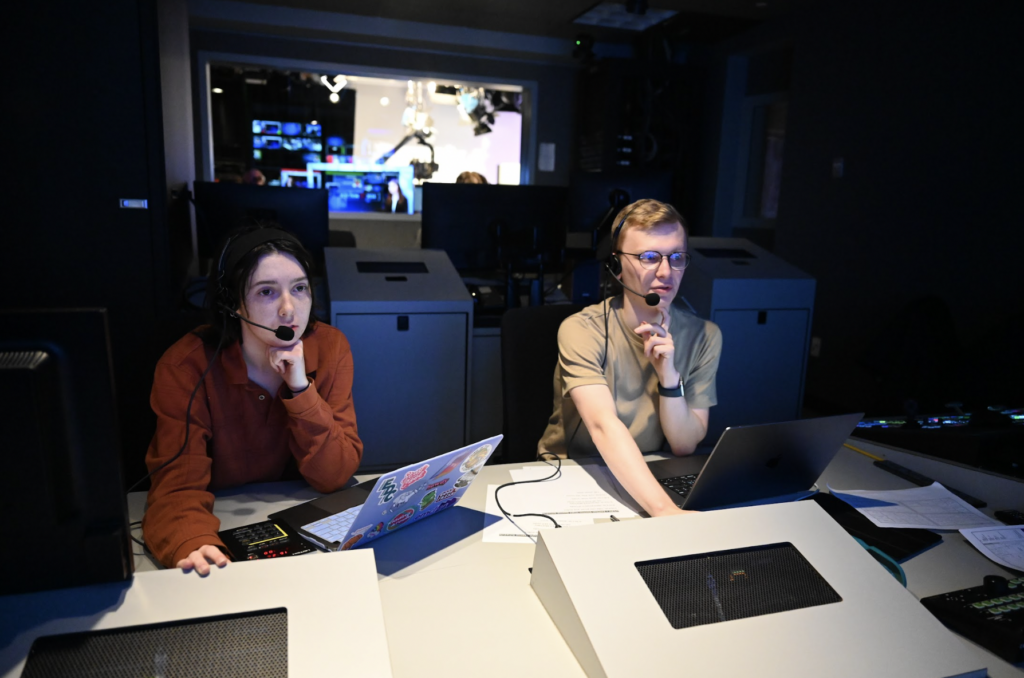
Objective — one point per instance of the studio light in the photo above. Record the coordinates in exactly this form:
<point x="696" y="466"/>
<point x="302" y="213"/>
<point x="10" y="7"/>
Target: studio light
<point x="335" y="87"/>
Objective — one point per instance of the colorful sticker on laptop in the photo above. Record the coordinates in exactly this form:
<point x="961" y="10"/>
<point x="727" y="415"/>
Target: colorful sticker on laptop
<point x="367" y="533"/>
<point x="386" y="490"/>
<point x="451" y="465"/>
<point x="439" y="483"/>
<point x="478" y="457"/>
<point x="466" y="478"/>
<point x="400" y="500"/>
<point x="353" y="540"/>
<point x="450" y="492"/>
<point x="445" y="504"/>
<point x="401" y="519"/>
<point x="428" y="499"/>
<point x="413" y="477"/>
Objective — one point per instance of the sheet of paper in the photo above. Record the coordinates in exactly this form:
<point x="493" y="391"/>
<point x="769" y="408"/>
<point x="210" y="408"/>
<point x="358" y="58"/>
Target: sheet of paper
<point x="932" y="507"/>
<point x="1003" y="545"/>
<point x="578" y="497"/>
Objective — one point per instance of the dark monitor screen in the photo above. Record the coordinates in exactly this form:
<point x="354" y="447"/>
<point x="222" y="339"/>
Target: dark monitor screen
<point x="588" y="193"/>
<point x="222" y="207"/>
<point x="465" y="221"/>
<point x="62" y="476"/>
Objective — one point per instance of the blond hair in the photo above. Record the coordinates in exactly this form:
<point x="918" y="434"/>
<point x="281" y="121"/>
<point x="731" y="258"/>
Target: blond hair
<point x="645" y="215"/>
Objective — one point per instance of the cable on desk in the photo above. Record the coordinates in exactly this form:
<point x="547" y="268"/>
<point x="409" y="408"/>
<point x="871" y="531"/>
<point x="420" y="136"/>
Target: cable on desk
<point x="866" y="454"/>
<point x="510" y="516"/>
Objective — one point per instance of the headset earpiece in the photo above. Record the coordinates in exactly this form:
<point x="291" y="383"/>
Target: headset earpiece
<point x="615" y="265"/>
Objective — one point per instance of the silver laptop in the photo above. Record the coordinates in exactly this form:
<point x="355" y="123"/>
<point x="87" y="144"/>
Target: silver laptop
<point x="750" y="464"/>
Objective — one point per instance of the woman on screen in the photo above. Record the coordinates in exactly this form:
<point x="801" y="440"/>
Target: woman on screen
<point x="262" y="393"/>
<point x="395" y="201"/>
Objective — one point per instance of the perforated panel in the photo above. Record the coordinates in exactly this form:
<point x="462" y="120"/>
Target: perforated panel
<point x="708" y="588"/>
<point x="253" y="645"/>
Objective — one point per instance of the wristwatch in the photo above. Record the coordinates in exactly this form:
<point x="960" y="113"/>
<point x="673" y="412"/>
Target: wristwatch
<point x="676" y="392"/>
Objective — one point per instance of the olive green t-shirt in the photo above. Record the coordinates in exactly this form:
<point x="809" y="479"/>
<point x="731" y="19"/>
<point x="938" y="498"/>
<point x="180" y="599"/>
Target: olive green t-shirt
<point x="629" y="374"/>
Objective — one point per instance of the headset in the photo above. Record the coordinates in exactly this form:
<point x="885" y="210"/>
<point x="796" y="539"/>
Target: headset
<point x="235" y="248"/>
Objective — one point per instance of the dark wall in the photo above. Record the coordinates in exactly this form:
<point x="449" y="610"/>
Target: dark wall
<point x="922" y="102"/>
<point x="88" y="120"/>
<point x="555" y="91"/>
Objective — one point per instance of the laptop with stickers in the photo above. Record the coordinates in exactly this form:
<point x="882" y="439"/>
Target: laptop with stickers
<point x="371" y="510"/>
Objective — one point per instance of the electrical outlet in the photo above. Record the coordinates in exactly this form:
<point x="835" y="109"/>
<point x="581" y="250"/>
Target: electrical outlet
<point x="815" y="347"/>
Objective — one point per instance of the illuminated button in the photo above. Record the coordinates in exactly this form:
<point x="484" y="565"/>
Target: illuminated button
<point x="980" y="606"/>
<point x="1014" y="606"/>
<point x="263" y="397"/>
<point x="994" y="610"/>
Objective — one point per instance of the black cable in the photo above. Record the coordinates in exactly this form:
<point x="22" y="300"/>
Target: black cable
<point x="553" y="476"/>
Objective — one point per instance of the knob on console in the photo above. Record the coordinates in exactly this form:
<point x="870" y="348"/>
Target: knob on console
<point x="996" y="585"/>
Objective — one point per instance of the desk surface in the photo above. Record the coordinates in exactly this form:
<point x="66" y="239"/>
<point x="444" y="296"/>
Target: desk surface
<point x="442" y="586"/>
<point x="478" y="594"/>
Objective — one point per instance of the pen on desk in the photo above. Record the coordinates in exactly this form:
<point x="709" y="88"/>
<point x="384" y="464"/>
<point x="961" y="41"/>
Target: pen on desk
<point x="866" y="454"/>
<point x="612" y="516"/>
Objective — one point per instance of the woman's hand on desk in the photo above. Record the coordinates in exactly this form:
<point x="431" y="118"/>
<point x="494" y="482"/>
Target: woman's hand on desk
<point x="200" y="560"/>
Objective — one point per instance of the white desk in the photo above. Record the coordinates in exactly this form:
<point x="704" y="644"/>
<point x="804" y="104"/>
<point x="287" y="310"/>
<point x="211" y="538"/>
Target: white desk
<point x="475" y="598"/>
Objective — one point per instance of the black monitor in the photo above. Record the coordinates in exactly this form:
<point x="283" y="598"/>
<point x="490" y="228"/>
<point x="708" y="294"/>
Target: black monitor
<point x="61" y="492"/>
<point x="588" y="193"/>
<point x="223" y="207"/>
<point x="481" y="226"/>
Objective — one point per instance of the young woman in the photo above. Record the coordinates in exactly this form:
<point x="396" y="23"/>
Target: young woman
<point x="237" y="403"/>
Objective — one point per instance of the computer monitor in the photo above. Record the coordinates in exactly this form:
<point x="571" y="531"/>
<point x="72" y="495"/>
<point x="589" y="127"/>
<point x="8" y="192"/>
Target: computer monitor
<point x="359" y="187"/>
<point x="222" y="207"/>
<point x="61" y="490"/>
<point x="588" y="193"/>
<point x="479" y="226"/>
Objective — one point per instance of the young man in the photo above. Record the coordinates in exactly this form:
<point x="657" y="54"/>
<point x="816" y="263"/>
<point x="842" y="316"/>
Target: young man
<point x="633" y="377"/>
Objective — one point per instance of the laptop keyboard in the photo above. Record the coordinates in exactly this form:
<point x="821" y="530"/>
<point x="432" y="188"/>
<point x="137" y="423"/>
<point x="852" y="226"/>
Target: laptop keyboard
<point x="333" y="528"/>
<point x="680" y="484"/>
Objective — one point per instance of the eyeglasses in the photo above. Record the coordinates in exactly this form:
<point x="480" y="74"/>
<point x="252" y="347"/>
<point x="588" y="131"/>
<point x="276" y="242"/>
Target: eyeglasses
<point x="677" y="261"/>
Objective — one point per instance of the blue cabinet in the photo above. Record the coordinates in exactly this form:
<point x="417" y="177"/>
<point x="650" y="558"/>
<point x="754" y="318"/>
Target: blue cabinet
<point x="764" y="308"/>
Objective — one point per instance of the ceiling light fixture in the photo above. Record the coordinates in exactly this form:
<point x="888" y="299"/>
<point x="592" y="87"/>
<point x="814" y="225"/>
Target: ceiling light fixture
<point x="335" y="87"/>
<point x="635" y="15"/>
<point x="218" y="90"/>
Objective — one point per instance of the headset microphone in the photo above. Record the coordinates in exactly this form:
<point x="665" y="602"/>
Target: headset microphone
<point x="651" y="299"/>
<point x="283" y="333"/>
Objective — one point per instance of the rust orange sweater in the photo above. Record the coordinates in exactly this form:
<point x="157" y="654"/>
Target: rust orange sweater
<point x="240" y="433"/>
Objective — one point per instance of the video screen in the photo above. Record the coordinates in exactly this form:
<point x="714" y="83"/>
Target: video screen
<point x="291" y="129"/>
<point x="266" y="127"/>
<point x="297" y="178"/>
<point x="367" y="188"/>
<point x="312" y="145"/>
<point x="313" y="130"/>
<point x="271" y="143"/>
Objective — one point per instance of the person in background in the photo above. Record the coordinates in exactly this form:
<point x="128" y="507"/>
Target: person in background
<point x="632" y="377"/>
<point x="470" y="178"/>
<point x="237" y="404"/>
<point x="255" y="177"/>
<point x="395" y="201"/>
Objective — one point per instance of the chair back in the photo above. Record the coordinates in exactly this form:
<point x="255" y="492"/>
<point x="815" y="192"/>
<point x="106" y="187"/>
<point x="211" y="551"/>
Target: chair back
<point x="529" y="353"/>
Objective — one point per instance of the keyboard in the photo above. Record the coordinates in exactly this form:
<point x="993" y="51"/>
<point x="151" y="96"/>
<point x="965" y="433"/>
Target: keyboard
<point x="333" y="528"/>
<point x="680" y="485"/>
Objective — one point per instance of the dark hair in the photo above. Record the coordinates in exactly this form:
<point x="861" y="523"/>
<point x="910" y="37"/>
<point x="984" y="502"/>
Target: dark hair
<point x="225" y="290"/>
